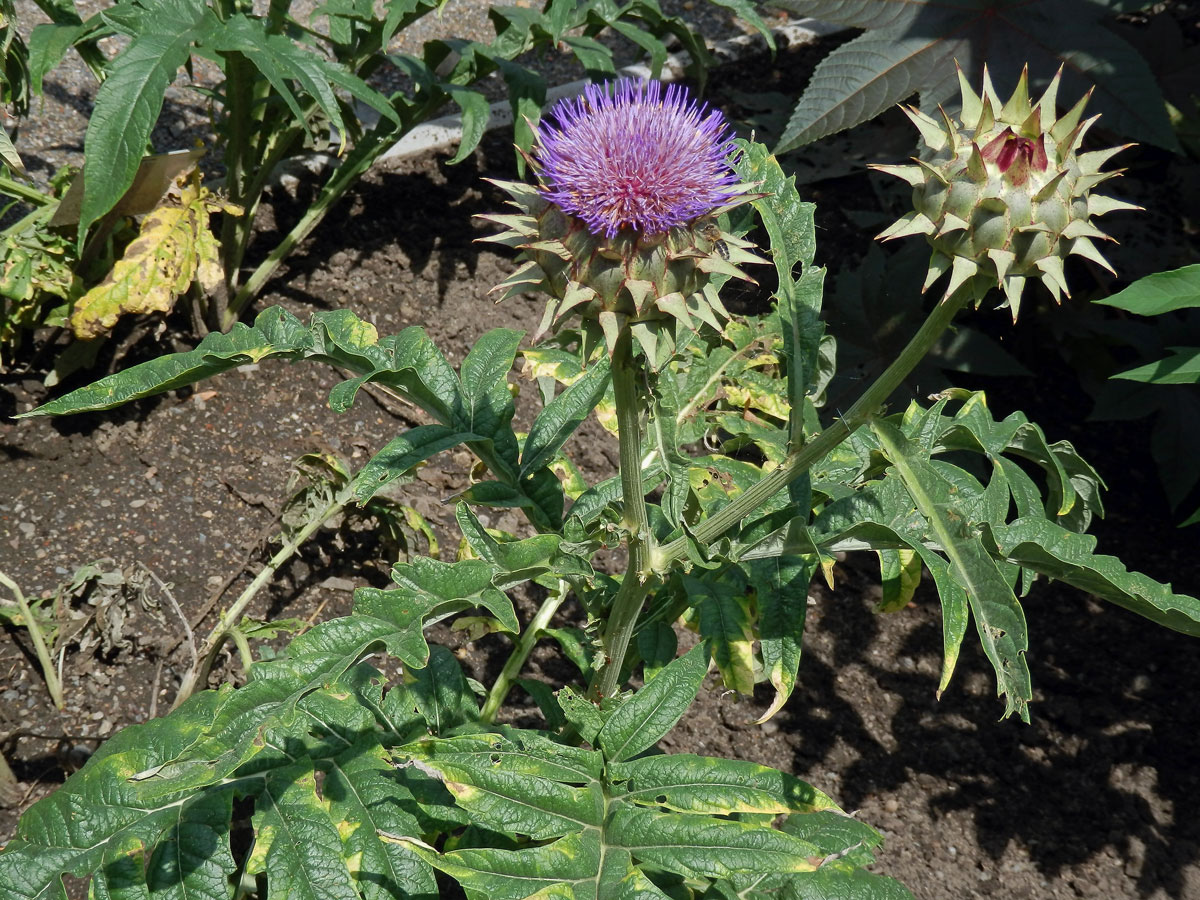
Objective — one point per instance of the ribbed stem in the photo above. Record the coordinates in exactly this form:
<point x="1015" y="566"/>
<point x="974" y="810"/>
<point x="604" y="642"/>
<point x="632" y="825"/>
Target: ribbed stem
<point x="637" y="582"/>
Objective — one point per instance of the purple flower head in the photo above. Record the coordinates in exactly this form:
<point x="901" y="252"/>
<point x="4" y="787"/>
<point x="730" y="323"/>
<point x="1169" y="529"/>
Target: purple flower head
<point x="632" y="155"/>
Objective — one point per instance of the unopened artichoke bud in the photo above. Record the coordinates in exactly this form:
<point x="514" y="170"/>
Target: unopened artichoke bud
<point x="1005" y="195"/>
<point x="621" y="228"/>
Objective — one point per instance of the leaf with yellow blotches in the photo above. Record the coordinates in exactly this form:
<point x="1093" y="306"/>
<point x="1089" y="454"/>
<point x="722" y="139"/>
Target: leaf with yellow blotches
<point x="174" y="249"/>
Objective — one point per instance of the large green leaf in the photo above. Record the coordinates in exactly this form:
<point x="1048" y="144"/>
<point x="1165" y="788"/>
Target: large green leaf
<point x="781" y="587"/>
<point x="682" y="782"/>
<point x="337" y="336"/>
<point x="515" y="562"/>
<point x="1159" y="293"/>
<point x="478" y="409"/>
<point x="999" y="618"/>
<point x="404" y="452"/>
<point x="130" y="98"/>
<point x="563" y="415"/>
<point x="790" y="226"/>
<point x="282" y="62"/>
<point x="364" y="799"/>
<point x="607" y="820"/>
<point x="193" y="861"/>
<point x="654" y="710"/>
<point x="430" y="588"/>
<point x="722" y="602"/>
<point x="1181" y="367"/>
<point x="302" y="849"/>
<point x="442" y="694"/>
<point x="1058" y="553"/>
<point x="166" y="787"/>
<point x="911" y="47"/>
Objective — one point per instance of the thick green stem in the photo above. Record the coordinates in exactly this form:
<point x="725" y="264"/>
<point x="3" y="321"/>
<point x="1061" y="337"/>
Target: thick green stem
<point x="357" y="162"/>
<point x="627" y="605"/>
<point x="239" y="118"/>
<point x="801" y="459"/>
<point x="39" y="641"/>
<point x="525" y="643"/>
<point x="198" y="674"/>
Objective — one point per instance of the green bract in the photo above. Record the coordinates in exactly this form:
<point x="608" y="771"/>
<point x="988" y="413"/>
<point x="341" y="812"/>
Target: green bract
<point x="1004" y="195"/>
<point x="638" y="280"/>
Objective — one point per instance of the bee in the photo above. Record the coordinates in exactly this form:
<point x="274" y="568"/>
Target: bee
<point x="711" y="232"/>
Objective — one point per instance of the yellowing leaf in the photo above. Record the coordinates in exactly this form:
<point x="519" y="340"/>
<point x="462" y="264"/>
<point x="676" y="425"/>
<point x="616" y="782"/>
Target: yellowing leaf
<point x="748" y="395"/>
<point x="174" y="249"/>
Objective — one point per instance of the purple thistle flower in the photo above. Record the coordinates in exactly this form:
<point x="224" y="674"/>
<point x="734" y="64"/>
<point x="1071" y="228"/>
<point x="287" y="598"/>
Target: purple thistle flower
<point x="630" y="155"/>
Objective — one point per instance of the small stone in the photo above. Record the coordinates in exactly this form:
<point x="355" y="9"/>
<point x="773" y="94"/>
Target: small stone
<point x="892" y="805"/>
<point x="137" y="504"/>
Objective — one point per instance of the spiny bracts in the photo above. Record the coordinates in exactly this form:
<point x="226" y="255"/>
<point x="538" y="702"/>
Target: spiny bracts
<point x="621" y="228"/>
<point x="1005" y="195"/>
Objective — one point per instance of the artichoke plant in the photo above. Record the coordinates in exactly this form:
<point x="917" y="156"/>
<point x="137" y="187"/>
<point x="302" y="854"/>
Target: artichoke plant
<point x="1004" y="194"/>
<point x="621" y="228"/>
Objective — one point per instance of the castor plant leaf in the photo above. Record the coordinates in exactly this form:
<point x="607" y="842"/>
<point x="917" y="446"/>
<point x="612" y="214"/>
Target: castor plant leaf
<point x="908" y="48"/>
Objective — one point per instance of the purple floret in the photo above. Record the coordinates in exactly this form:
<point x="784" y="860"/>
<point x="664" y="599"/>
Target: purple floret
<point x="632" y="155"/>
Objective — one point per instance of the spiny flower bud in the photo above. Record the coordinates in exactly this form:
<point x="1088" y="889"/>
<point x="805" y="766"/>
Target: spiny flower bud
<point x="1005" y="195"/>
<point x="620" y="228"/>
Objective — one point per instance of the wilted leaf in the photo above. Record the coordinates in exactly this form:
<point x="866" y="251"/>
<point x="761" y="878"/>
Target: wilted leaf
<point x="174" y="249"/>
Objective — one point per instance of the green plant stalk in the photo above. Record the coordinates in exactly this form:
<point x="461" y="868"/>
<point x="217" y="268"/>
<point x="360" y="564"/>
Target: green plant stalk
<point x="357" y="162"/>
<point x="239" y="110"/>
<point x="638" y="580"/>
<point x="801" y="459"/>
<point x="53" y="685"/>
<point x="243" y="648"/>
<point x="516" y="661"/>
<point x="198" y="674"/>
<point x="26" y="192"/>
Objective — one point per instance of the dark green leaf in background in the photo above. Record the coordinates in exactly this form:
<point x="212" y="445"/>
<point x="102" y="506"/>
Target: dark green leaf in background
<point x="911" y="47"/>
<point x="130" y="99"/>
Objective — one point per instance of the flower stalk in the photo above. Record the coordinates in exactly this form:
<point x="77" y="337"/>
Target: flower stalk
<point x="638" y="580"/>
<point x="801" y="459"/>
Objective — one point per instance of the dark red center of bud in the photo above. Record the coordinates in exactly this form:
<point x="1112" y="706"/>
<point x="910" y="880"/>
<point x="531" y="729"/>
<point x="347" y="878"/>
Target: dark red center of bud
<point x="1015" y="155"/>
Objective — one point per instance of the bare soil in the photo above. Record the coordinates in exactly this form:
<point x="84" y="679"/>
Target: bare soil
<point x="1096" y="798"/>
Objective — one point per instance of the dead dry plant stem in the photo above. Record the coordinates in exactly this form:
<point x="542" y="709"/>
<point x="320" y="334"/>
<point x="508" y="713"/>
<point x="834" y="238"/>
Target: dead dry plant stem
<point x="7" y="779"/>
<point x="53" y="685"/>
<point x="187" y="628"/>
<point x="197" y="675"/>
